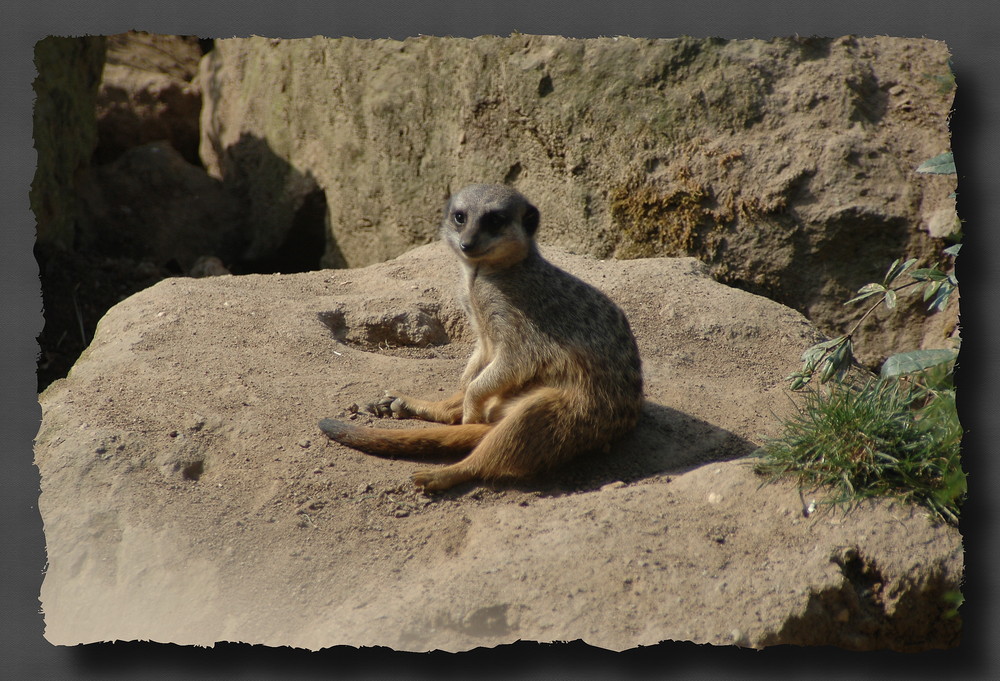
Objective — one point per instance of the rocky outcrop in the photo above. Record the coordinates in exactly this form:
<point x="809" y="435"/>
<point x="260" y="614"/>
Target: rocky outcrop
<point x="786" y="165"/>
<point x="147" y="95"/>
<point x="188" y="495"/>
<point x="65" y="134"/>
<point x="120" y="195"/>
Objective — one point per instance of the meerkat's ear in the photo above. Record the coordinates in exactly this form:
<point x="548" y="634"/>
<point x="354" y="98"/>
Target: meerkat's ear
<point x="530" y="219"/>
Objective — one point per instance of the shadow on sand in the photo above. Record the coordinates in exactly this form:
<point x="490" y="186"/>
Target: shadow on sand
<point x="665" y="441"/>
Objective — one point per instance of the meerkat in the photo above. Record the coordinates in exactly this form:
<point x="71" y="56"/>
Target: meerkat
<point x="555" y="370"/>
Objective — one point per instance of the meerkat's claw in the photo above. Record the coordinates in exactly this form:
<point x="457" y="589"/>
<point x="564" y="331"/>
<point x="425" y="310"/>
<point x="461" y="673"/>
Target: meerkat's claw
<point x="423" y="480"/>
<point x="385" y="407"/>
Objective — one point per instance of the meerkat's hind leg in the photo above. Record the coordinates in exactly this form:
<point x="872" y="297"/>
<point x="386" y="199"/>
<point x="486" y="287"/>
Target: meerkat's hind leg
<point x="540" y="429"/>
<point x="442" y="478"/>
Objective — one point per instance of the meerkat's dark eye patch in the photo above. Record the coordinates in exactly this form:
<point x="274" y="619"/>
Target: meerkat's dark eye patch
<point x="493" y="221"/>
<point x="459" y="217"/>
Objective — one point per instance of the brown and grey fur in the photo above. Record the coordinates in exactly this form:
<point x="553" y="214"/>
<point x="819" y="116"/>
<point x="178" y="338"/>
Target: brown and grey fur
<point x="555" y="371"/>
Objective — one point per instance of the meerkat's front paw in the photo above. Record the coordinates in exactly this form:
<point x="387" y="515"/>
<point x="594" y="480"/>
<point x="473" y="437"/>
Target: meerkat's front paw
<point x="382" y="407"/>
<point x="389" y="406"/>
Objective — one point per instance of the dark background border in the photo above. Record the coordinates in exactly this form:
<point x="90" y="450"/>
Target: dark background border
<point x="968" y="26"/>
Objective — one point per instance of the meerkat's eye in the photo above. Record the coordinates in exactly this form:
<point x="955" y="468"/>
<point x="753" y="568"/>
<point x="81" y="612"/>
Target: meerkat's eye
<point x="459" y="217"/>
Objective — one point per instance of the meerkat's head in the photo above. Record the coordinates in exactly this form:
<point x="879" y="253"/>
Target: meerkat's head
<point x="490" y="224"/>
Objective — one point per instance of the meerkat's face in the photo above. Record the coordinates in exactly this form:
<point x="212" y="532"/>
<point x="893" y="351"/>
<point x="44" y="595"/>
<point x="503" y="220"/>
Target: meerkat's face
<point x="490" y="225"/>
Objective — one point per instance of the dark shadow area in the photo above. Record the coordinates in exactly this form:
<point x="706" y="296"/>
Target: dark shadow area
<point x="665" y="442"/>
<point x="283" y="210"/>
<point x="857" y="616"/>
<point x="150" y="215"/>
<point x="304" y="244"/>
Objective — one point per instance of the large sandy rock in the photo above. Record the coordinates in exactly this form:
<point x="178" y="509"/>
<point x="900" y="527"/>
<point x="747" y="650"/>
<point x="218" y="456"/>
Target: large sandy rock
<point x="786" y="165"/>
<point x="188" y="495"/>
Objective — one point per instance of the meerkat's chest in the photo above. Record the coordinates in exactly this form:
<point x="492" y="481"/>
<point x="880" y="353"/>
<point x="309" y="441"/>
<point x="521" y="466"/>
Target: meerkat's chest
<point x="493" y="312"/>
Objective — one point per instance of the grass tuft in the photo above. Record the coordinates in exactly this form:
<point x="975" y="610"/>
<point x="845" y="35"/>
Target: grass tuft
<point x="887" y="437"/>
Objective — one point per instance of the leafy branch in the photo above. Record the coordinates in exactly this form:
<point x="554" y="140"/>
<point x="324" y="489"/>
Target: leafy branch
<point x="833" y="358"/>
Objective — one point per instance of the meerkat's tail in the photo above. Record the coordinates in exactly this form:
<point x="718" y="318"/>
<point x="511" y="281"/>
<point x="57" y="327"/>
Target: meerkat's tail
<point x="446" y="441"/>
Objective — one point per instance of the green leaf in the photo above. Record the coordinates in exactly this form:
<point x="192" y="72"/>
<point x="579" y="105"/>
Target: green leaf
<point x="829" y="369"/>
<point x="897" y="269"/>
<point x="844" y="357"/>
<point x="838" y="362"/>
<point x="941" y="298"/>
<point x="942" y="164"/>
<point x="953" y="249"/>
<point x="931" y="289"/>
<point x="866" y="291"/>
<point x="917" y="360"/>
<point x="928" y="274"/>
<point x="890" y="299"/>
<point x="818" y="349"/>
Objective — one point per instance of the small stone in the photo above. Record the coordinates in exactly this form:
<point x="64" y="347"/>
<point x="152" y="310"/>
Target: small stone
<point x="310" y="505"/>
<point x="943" y="223"/>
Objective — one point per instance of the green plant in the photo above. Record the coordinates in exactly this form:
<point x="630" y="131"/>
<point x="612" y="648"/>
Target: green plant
<point x="885" y="437"/>
<point x="833" y="358"/>
<point x="894" y="435"/>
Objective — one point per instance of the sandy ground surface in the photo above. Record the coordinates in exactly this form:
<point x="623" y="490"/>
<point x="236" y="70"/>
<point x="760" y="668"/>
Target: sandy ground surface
<point x="188" y="495"/>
